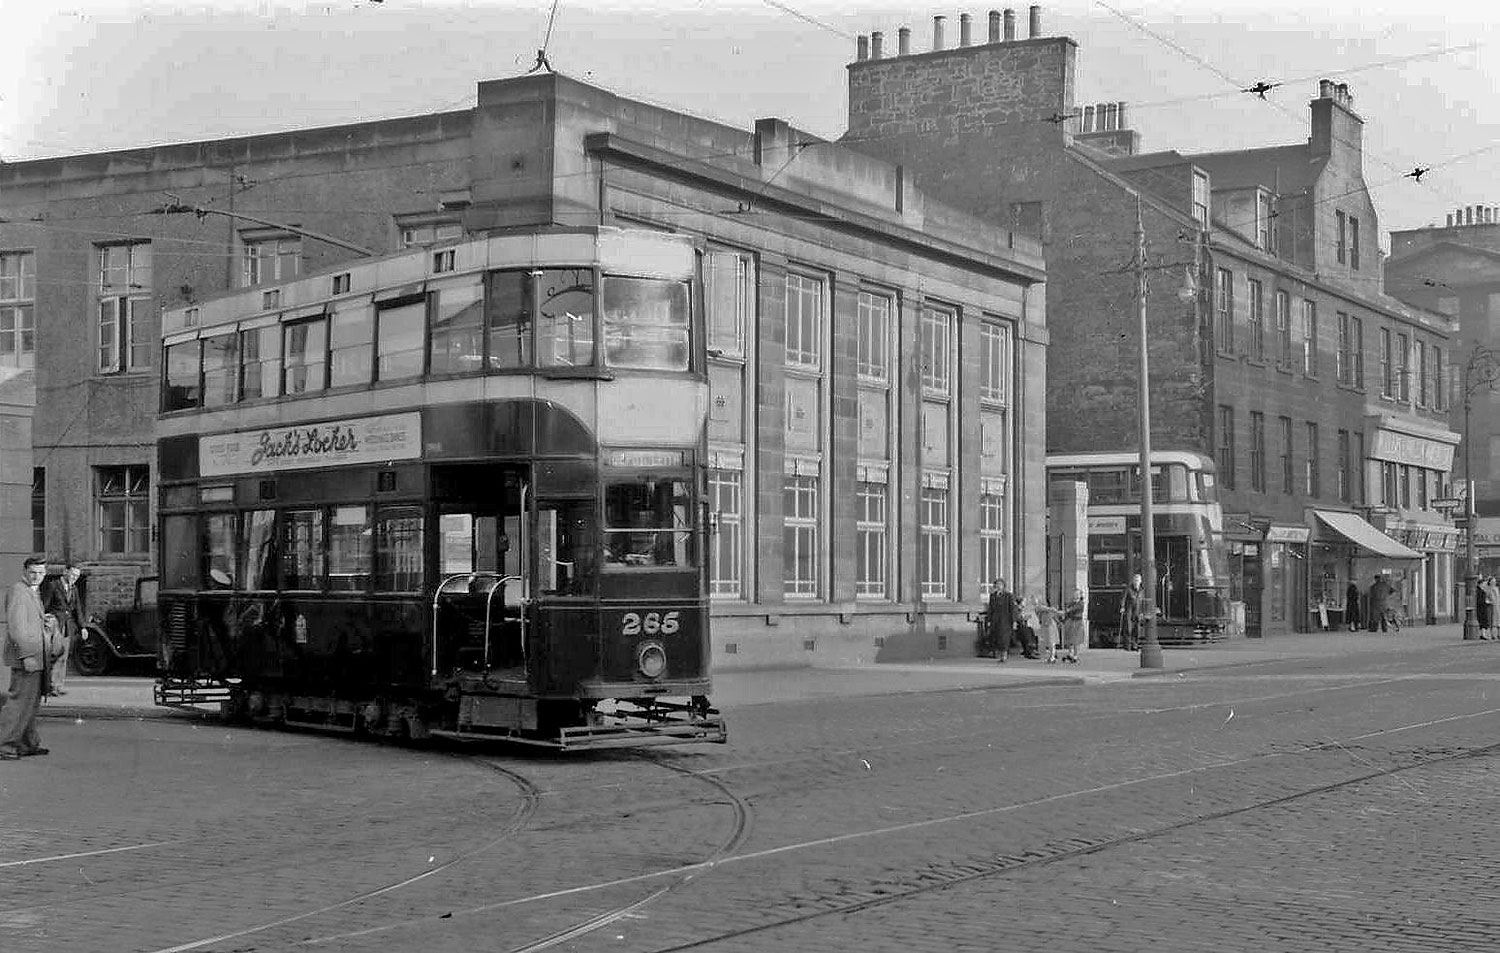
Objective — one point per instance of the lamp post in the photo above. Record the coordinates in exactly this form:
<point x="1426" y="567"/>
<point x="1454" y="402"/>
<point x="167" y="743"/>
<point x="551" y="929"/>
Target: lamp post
<point x="1482" y="370"/>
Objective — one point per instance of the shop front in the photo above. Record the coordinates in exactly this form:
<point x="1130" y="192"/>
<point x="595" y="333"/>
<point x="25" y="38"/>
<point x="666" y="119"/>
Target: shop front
<point x="1287" y="592"/>
<point x="1243" y="545"/>
<point x="1346" y="553"/>
<point x="1426" y="589"/>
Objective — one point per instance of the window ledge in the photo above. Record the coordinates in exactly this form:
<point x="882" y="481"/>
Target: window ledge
<point x="1255" y="361"/>
<point x="575" y="373"/>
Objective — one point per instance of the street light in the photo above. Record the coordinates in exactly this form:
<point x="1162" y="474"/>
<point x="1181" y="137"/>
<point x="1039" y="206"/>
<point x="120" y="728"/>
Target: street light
<point x="1150" y="647"/>
<point x="1482" y="370"/>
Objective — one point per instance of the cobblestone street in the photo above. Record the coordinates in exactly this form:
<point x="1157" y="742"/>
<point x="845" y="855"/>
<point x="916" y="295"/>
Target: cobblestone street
<point x="1323" y="802"/>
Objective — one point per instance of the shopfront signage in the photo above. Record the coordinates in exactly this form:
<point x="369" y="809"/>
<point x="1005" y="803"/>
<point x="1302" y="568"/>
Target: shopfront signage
<point x="1106" y="525"/>
<point x="1417" y="451"/>
<point x="1287" y="534"/>
<point x="303" y="446"/>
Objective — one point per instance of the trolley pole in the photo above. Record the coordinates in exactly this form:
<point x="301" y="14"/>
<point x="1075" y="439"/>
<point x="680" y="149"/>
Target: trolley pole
<point x="1150" y="648"/>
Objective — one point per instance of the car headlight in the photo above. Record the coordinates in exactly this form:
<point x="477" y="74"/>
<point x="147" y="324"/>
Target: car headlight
<point x="651" y="659"/>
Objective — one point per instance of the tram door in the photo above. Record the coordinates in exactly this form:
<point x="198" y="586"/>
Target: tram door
<point x="481" y="547"/>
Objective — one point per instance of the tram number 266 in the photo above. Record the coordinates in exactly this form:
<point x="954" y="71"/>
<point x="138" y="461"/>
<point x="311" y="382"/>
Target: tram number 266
<point x="649" y="623"/>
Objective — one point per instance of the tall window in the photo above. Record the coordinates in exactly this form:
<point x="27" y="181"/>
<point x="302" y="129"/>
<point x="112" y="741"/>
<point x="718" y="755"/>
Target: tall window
<point x="1313" y="478"/>
<point x="270" y="259"/>
<point x="870" y="572"/>
<point x="1344" y="358"/>
<point x="1256" y="319"/>
<point x="1390" y="489"/>
<point x="934" y="542"/>
<point x="1265" y="221"/>
<point x="1403" y="368"/>
<point x="17" y="309"/>
<point x="1257" y="451"/>
<point x="1360" y="487"/>
<point x="1287" y="483"/>
<point x="1342" y="464"/>
<point x="991" y="535"/>
<point x="1339" y="236"/>
<point x="1224" y="302"/>
<point x="1354" y="243"/>
<point x="1226" y="446"/>
<point x="1439" y="394"/>
<point x="726" y="492"/>
<point x="1419" y="365"/>
<point x="124" y="306"/>
<point x="994" y="357"/>
<point x="38" y="509"/>
<point x="1309" y="337"/>
<point x="731" y="300"/>
<point x="804" y="320"/>
<point x="937" y="351"/>
<point x="122" y="509"/>
<point x="1357" y="350"/>
<point x="1387" y="364"/>
<point x="1284" y="326"/>
<point x="1200" y="202"/>
<point x="800" y="536"/>
<point x="873" y="336"/>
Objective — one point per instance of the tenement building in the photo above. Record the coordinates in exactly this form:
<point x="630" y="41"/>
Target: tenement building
<point x="1273" y="347"/>
<point x="874" y="353"/>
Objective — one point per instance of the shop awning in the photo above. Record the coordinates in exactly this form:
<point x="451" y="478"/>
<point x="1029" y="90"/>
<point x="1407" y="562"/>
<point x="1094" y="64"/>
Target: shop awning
<point x="1363" y="535"/>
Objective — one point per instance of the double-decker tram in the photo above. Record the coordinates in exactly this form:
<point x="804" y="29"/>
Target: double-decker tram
<point x="456" y="491"/>
<point x="1191" y="565"/>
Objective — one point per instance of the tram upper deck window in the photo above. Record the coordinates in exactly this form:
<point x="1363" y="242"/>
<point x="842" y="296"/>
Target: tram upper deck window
<point x="221" y="370"/>
<point x="400" y="330"/>
<point x="565" y="329"/>
<point x="351" y="343"/>
<point x="648" y="523"/>
<point x="182" y="387"/>
<point x="260" y="351"/>
<point x="645" y="323"/>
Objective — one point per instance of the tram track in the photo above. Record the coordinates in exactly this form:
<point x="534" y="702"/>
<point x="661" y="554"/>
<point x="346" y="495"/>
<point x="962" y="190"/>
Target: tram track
<point x="526" y="808"/>
<point x="932" y="879"/>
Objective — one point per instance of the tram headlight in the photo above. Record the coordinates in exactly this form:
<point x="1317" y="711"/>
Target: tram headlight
<point x="651" y="659"/>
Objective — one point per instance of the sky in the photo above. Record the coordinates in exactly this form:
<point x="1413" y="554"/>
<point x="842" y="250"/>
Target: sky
<point x="95" y="75"/>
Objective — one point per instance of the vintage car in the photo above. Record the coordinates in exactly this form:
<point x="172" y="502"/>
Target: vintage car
<point x="124" y="638"/>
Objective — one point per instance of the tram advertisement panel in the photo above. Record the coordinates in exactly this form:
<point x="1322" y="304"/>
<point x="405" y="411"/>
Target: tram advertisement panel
<point x="331" y="443"/>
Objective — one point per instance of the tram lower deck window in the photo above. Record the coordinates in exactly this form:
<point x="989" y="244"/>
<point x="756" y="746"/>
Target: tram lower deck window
<point x="648" y="523"/>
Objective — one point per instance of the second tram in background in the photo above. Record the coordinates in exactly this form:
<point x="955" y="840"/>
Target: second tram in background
<point x="456" y="490"/>
<point x="1191" y="563"/>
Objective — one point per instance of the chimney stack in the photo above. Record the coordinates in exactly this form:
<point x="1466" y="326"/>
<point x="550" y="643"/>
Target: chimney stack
<point x="903" y="41"/>
<point x="877" y="45"/>
<point x="1036" y="21"/>
<point x="965" y="30"/>
<point x="1010" y="24"/>
<point x="861" y="48"/>
<point x="937" y="33"/>
<point x="994" y="26"/>
<point x="1088" y="119"/>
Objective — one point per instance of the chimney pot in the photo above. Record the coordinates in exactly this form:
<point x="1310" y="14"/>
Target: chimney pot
<point x="862" y="47"/>
<point x="965" y="30"/>
<point x="994" y="26"/>
<point x="877" y="45"/>
<point x="1088" y="119"/>
<point x="903" y="41"/>
<point x="1469" y="215"/>
<point x="1120" y="116"/>
<point x="1325" y="89"/>
<point x="1450" y="219"/>
<point x="1036" y="21"/>
<point x="937" y="32"/>
<point x="1010" y="24"/>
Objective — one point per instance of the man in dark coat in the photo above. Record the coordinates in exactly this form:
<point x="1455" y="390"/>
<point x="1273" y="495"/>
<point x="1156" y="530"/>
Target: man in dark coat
<point x="1132" y="614"/>
<point x="61" y="598"/>
<point x="1000" y="619"/>
<point x="1351" y="606"/>
<point x="25" y="652"/>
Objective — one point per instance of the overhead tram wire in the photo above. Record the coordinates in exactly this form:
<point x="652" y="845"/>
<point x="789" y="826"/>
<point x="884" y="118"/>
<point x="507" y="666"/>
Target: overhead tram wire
<point x="784" y="8"/>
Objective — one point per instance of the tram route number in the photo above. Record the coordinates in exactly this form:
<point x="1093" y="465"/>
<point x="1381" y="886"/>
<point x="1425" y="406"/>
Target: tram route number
<point x="649" y="623"/>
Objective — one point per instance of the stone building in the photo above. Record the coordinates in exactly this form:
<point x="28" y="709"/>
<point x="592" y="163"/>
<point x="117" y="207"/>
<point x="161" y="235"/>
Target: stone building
<point x="1273" y="348"/>
<point x="874" y="353"/>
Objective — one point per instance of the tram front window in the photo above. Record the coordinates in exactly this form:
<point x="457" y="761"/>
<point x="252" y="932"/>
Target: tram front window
<point x="648" y="523"/>
<point x="645" y="323"/>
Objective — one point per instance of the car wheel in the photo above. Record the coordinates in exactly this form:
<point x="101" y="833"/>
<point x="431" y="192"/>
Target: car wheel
<point x="92" y="656"/>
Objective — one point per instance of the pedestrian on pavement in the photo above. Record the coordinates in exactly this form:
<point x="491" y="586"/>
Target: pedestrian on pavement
<point x="1484" y="609"/>
<point x="1492" y="590"/>
<point x="1026" y="626"/>
<point x="1049" y="630"/>
<point x="1132" y="614"/>
<point x="25" y="654"/>
<point x="1074" y="630"/>
<point x="61" y="598"/>
<point x="1380" y="599"/>
<point x="1000" y="620"/>
<point x="1351" y="606"/>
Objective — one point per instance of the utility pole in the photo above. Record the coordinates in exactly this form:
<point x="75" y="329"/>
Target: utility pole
<point x="1150" y="648"/>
